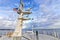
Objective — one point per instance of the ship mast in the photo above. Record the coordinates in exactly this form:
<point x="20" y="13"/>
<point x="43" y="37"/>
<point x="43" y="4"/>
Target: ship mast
<point x="21" y="12"/>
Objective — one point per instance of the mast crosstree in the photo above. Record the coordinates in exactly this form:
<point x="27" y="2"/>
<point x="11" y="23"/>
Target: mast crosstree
<point x="21" y="12"/>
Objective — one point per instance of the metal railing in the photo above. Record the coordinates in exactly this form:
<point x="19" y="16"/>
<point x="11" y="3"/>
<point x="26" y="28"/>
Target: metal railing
<point x="28" y="36"/>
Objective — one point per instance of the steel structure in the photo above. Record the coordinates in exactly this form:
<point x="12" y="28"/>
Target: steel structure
<point x="21" y="12"/>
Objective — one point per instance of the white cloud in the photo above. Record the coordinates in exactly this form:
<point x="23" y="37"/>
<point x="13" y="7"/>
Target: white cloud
<point x="48" y="12"/>
<point x="7" y="7"/>
<point x="7" y="24"/>
<point x="1" y="17"/>
<point x="55" y="25"/>
<point x="27" y="21"/>
<point x="6" y="11"/>
<point x="16" y="4"/>
<point x="42" y="20"/>
<point x="24" y="26"/>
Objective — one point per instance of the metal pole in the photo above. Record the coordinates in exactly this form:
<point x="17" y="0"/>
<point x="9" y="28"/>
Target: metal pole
<point x="32" y="29"/>
<point x="32" y="33"/>
<point x="37" y="35"/>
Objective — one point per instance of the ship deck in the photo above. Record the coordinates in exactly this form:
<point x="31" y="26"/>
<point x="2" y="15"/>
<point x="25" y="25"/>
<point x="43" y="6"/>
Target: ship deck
<point x="30" y="36"/>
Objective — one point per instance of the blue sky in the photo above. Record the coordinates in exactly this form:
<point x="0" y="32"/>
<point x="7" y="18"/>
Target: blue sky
<point x="46" y="13"/>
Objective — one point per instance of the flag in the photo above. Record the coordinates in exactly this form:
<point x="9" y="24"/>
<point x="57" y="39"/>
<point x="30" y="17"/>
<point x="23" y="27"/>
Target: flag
<point x="15" y="9"/>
